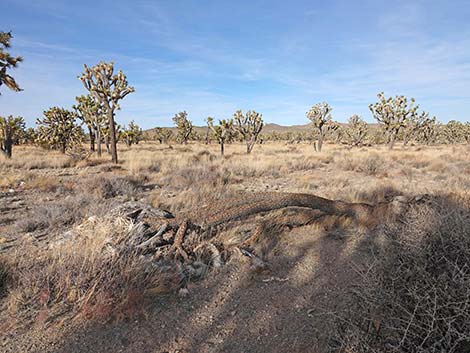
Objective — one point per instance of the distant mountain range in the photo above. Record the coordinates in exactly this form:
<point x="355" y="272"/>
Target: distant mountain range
<point x="268" y="128"/>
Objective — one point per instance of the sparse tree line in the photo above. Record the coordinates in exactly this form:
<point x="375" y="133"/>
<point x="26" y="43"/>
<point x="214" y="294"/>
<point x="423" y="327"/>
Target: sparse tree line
<point x="92" y="118"/>
<point x="398" y="120"/>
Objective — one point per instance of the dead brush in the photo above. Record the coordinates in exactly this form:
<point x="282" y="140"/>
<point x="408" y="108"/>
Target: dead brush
<point x="415" y="297"/>
<point x="81" y="278"/>
<point x="105" y="187"/>
<point x="56" y="215"/>
<point x="369" y="164"/>
<point x="197" y="175"/>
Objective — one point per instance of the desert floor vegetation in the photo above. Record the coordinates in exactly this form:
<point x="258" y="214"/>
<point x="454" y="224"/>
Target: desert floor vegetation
<point x="399" y="285"/>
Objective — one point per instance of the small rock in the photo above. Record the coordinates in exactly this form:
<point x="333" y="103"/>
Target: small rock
<point x="183" y="292"/>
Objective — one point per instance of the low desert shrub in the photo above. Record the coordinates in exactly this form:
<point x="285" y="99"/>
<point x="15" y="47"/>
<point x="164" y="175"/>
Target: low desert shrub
<point x="81" y="277"/>
<point x="54" y="216"/>
<point x="415" y="297"/>
<point x="371" y="165"/>
<point x="112" y="186"/>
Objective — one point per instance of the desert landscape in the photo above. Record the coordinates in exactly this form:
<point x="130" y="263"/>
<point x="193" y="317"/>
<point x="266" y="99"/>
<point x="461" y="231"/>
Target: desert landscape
<point x="325" y="283"/>
<point x="196" y="178"/>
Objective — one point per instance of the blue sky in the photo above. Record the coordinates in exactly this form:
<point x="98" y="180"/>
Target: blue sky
<point x="214" y="57"/>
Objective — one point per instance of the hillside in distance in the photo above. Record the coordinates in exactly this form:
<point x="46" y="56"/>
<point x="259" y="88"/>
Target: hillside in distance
<point x="268" y="128"/>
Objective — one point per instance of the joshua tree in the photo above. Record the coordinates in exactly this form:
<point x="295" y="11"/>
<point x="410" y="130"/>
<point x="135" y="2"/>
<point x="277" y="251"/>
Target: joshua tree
<point x="89" y="111"/>
<point x="132" y="133"/>
<point x="163" y="135"/>
<point x="248" y="126"/>
<point x="356" y="131"/>
<point x="223" y="132"/>
<point x="320" y="115"/>
<point x="335" y="131"/>
<point x="413" y="126"/>
<point x="454" y="131"/>
<point x="184" y="127"/>
<point x="466" y="131"/>
<point x="427" y="129"/>
<point x="208" y="131"/>
<point x="10" y="130"/>
<point x="58" y="129"/>
<point x="393" y="114"/>
<point x="27" y="136"/>
<point x="108" y="89"/>
<point x="7" y="62"/>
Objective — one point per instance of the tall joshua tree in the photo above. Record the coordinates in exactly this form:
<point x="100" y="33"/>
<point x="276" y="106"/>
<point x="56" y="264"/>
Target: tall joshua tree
<point x="90" y="112"/>
<point x="10" y="129"/>
<point x="249" y="127"/>
<point x="58" y="129"/>
<point x="184" y="127"/>
<point x="7" y="62"/>
<point x="394" y="114"/>
<point x="223" y="132"/>
<point x="108" y="88"/>
<point x="320" y="115"/>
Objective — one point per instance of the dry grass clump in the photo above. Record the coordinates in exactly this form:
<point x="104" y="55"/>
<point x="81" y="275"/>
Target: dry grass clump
<point x="416" y="296"/>
<point x="48" y="184"/>
<point x="91" y="162"/>
<point x="80" y="277"/>
<point x="144" y="163"/>
<point x="369" y="163"/>
<point x="194" y="175"/>
<point x="55" y="215"/>
<point x="29" y="158"/>
<point x="106" y="187"/>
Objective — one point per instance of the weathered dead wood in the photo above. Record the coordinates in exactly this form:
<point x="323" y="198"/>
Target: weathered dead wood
<point x="265" y="202"/>
<point x="189" y="236"/>
<point x="155" y="239"/>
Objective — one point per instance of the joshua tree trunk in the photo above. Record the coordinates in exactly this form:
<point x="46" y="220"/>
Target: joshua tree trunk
<point x="63" y="146"/>
<point x="112" y="136"/>
<point x="405" y="142"/>
<point x="221" y="148"/>
<point x="319" y="143"/>
<point x="391" y="140"/>
<point x="7" y="145"/>
<point x="98" y="141"/>
<point x="249" y="145"/>
<point x="92" y="139"/>
<point x="106" y="141"/>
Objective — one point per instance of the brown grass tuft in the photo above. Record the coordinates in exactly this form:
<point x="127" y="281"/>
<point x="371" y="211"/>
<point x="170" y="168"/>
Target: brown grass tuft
<point x="79" y="276"/>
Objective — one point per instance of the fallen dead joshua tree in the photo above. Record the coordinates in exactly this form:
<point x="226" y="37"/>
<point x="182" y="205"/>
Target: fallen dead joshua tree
<point x="191" y="239"/>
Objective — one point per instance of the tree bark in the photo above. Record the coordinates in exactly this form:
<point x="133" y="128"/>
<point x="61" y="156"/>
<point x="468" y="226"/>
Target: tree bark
<point x="98" y="140"/>
<point x="221" y="148"/>
<point x="319" y="143"/>
<point x="112" y="135"/>
<point x="7" y="145"/>
<point x="107" y="144"/>
<point x="391" y="141"/>
<point x="249" y="145"/>
<point x="92" y="139"/>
